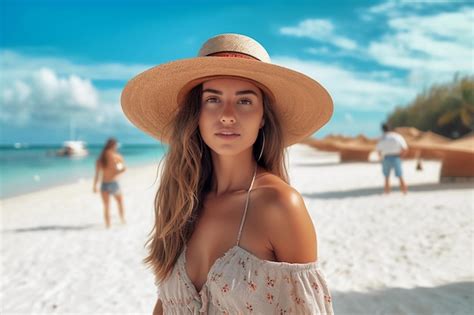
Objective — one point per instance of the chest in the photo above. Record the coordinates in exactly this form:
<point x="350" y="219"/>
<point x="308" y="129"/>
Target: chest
<point x="216" y="232"/>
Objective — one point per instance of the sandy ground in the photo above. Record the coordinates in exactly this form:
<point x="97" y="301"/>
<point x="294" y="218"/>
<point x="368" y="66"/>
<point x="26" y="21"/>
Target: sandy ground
<point x="381" y="254"/>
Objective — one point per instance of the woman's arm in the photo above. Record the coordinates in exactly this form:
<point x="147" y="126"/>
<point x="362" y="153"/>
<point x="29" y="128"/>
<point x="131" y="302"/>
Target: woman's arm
<point x="290" y="228"/>
<point x="120" y="164"/>
<point x="158" y="310"/>
<point x="96" y="176"/>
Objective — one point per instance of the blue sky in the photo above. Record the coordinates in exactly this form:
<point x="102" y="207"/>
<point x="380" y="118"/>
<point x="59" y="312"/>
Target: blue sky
<point x="65" y="63"/>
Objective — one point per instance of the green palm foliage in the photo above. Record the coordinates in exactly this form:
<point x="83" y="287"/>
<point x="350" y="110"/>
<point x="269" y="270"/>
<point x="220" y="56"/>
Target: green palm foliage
<point x="446" y="109"/>
<point x="460" y="106"/>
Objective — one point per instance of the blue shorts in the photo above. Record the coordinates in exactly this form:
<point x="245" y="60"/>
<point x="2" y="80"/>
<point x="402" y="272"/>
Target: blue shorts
<point x="110" y="187"/>
<point x="389" y="162"/>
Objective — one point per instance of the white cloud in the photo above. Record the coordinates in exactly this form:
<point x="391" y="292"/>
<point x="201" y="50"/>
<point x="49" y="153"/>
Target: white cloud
<point x="384" y="7"/>
<point x="42" y="90"/>
<point x="45" y="91"/>
<point x="348" y="118"/>
<point x="70" y="91"/>
<point x="431" y="48"/>
<point x="321" y="30"/>
<point x="17" y="65"/>
<point x="318" y="51"/>
<point x="396" y="8"/>
<point x="352" y="89"/>
<point x="23" y="91"/>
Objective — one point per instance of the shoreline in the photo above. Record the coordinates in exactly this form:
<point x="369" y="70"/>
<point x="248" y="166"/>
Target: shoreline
<point x="67" y="182"/>
<point x="320" y="157"/>
<point x="89" y="178"/>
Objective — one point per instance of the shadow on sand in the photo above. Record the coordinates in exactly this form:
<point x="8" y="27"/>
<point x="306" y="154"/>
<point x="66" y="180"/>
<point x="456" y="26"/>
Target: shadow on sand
<point x="453" y="298"/>
<point x="363" y="192"/>
<point x="53" y="228"/>
<point x="311" y="164"/>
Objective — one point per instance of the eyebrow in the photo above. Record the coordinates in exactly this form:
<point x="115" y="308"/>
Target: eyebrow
<point x="236" y="93"/>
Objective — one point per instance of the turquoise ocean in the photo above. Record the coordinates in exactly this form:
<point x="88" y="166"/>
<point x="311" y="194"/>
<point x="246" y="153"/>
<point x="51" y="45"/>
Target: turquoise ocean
<point x="32" y="168"/>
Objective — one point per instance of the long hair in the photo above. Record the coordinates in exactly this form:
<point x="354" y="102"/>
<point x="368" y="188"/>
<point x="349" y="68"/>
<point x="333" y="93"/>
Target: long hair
<point x="186" y="177"/>
<point x="111" y="142"/>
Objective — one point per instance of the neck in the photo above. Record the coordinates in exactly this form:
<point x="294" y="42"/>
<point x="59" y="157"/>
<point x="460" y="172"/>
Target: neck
<point x="232" y="173"/>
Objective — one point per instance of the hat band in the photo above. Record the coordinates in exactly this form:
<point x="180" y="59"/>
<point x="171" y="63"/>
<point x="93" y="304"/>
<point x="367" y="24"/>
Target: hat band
<point x="232" y="55"/>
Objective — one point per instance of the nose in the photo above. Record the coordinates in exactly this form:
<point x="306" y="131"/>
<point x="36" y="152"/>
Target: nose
<point x="228" y="113"/>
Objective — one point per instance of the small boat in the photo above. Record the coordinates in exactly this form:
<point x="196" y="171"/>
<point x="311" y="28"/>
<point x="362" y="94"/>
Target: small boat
<point x="19" y="145"/>
<point x="73" y="148"/>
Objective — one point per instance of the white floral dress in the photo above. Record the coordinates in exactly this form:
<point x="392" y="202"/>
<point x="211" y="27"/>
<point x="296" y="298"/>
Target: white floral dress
<point x="241" y="283"/>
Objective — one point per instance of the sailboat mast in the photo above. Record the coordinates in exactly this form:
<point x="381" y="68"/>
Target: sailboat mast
<point x="72" y="135"/>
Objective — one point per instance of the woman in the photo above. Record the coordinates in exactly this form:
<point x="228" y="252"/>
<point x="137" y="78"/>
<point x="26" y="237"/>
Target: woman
<point x="110" y="163"/>
<point x="231" y="235"/>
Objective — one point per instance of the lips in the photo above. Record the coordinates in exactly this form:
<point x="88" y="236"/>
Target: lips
<point x="227" y="137"/>
<point x="227" y="133"/>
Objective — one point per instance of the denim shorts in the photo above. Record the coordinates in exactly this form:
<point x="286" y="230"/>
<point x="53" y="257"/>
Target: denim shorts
<point x="389" y="162"/>
<point x="110" y="187"/>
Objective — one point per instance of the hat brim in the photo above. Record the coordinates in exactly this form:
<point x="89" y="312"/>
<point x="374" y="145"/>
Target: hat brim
<point x="150" y="99"/>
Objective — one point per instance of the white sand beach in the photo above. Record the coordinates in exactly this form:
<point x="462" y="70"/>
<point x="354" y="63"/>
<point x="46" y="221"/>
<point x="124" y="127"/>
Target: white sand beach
<point x="395" y="254"/>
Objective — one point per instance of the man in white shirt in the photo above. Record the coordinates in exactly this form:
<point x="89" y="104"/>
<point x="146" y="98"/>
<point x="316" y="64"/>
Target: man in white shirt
<point x="391" y="147"/>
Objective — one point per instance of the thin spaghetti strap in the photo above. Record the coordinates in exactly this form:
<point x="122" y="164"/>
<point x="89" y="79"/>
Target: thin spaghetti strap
<point x="246" y="205"/>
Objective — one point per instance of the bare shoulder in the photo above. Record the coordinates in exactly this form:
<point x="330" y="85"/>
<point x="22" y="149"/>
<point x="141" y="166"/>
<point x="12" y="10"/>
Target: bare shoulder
<point x="113" y="156"/>
<point x="116" y="156"/>
<point x="287" y="223"/>
<point x="281" y="197"/>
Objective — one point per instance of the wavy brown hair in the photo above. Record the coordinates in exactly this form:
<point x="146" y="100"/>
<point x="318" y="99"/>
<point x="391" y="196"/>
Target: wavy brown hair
<point x="111" y="142"/>
<point x="186" y="177"/>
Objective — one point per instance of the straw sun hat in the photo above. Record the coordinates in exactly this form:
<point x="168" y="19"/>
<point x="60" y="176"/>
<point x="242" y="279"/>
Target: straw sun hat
<point x="150" y="99"/>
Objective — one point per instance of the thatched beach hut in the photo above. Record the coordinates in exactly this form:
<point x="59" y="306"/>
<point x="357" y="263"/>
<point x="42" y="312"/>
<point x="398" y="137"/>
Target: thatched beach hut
<point x="426" y="146"/>
<point x="458" y="160"/>
<point x="329" y="143"/>
<point x="356" y="149"/>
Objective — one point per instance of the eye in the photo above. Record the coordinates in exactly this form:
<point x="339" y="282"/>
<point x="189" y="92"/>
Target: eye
<point x="245" y="101"/>
<point x="212" y="100"/>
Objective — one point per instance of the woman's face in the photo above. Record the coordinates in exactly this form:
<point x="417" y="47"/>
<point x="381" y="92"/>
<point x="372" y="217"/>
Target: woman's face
<point x="234" y="105"/>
